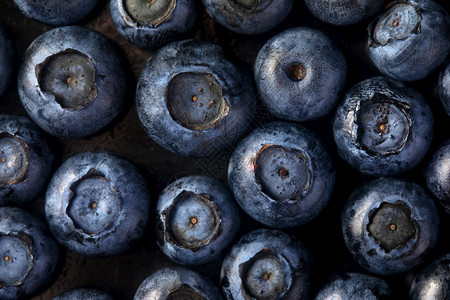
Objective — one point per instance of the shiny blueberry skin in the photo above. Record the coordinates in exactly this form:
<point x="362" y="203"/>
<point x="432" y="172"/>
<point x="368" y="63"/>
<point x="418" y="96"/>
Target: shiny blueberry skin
<point x="433" y="282"/>
<point x="72" y="81"/>
<point x="266" y="264"/>
<point x="390" y="225"/>
<point x="343" y="12"/>
<point x="56" y="12"/>
<point x="443" y="88"/>
<point x="151" y="26"/>
<point x="28" y="254"/>
<point x="281" y="175"/>
<point x="177" y="283"/>
<point x="84" y="294"/>
<point x="248" y="16"/>
<point x="25" y="160"/>
<point x="6" y="59"/>
<point x="192" y="100"/>
<point x="410" y="39"/>
<point x="197" y="220"/>
<point x="382" y="127"/>
<point x="300" y="74"/>
<point x="97" y="204"/>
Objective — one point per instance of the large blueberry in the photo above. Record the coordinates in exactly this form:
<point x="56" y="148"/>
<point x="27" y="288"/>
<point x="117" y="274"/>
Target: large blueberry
<point x="25" y="160"/>
<point x="266" y="264"/>
<point x="83" y="294"/>
<point x="150" y="24"/>
<point x="410" y="39"/>
<point x="177" y="283"/>
<point x="97" y="204"/>
<point x="28" y="254"/>
<point x="72" y="81"/>
<point x="383" y="127"/>
<point x="443" y="88"/>
<point x="281" y="175"/>
<point x="192" y="100"/>
<point x="197" y="220"/>
<point x="300" y="74"/>
<point x="6" y="59"/>
<point x="390" y="225"/>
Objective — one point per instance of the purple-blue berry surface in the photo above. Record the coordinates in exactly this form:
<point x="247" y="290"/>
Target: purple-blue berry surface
<point x="443" y="88"/>
<point x="83" y="294"/>
<point x="6" y="59"/>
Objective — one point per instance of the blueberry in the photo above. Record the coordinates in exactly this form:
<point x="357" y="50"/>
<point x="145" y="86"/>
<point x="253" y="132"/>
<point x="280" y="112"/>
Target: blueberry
<point x="72" y="81"/>
<point x="248" y="16"/>
<point x="151" y="24"/>
<point x="192" y="100"/>
<point x="6" y="59"/>
<point x="300" y="74"/>
<point x="28" y="254"/>
<point x="25" y="160"/>
<point x="56" y="12"/>
<point x="410" y="39"/>
<point x="281" y="175"/>
<point x="266" y="264"/>
<point x="83" y="294"/>
<point x="177" y="283"/>
<point x="443" y="88"/>
<point x="390" y="225"/>
<point x="97" y="204"/>
<point x="382" y="127"/>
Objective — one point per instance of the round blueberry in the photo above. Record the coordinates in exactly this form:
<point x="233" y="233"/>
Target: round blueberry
<point x="266" y="264"/>
<point x="248" y="16"/>
<point x="97" y="204"/>
<point x="6" y="59"/>
<point x="83" y="294"/>
<point x="300" y="74"/>
<point x="192" y="100"/>
<point x="25" y="160"/>
<point x="390" y="225"/>
<point x="410" y="39"/>
<point x="151" y="24"/>
<point x="383" y="127"/>
<point x="72" y="81"/>
<point x="281" y="175"/>
<point x="197" y="220"/>
<point x="443" y="88"/>
<point x="28" y="254"/>
<point x="177" y="283"/>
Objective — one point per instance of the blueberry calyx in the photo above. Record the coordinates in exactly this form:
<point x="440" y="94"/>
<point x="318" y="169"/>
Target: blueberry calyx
<point x="150" y="12"/>
<point x="184" y="292"/>
<point x="296" y="72"/>
<point x="16" y="259"/>
<point x="14" y="159"/>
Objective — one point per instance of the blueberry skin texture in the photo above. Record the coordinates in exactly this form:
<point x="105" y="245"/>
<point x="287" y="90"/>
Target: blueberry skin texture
<point x="298" y="97"/>
<point x="418" y="218"/>
<point x="253" y="192"/>
<point x="284" y="259"/>
<point x="218" y="207"/>
<point x="85" y="294"/>
<point x="21" y="139"/>
<point x="343" y="12"/>
<point x="432" y="282"/>
<point x="178" y="134"/>
<point x="419" y="45"/>
<point x="177" y="281"/>
<point x="56" y="12"/>
<point x="181" y="19"/>
<point x="248" y="17"/>
<point x="110" y="82"/>
<point x="6" y="59"/>
<point x="21" y="225"/>
<point x="443" y="88"/>
<point x="97" y="204"/>
<point x="392" y="141"/>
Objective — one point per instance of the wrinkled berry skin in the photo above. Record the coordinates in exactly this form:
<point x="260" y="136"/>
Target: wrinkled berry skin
<point x="6" y="59"/>
<point x="300" y="74"/>
<point x="343" y="12"/>
<point x="28" y="253"/>
<point x="178" y="20"/>
<point x="197" y="220"/>
<point x="83" y="293"/>
<point x="390" y="225"/>
<point x="433" y="282"/>
<point x="56" y="12"/>
<point x="281" y="175"/>
<point x="266" y="262"/>
<point x="192" y="100"/>
<point x="177" y="283"/>
<point x="443" y="88"/>
<point x="54" y="95"/>
<point x="24" y="145"/>
<point x="97" y="204"/>
<point x="354" y="286"/>
<point x="410" y="40"/>
<point x="248" y="16"/>
<point x="382" y="127"/>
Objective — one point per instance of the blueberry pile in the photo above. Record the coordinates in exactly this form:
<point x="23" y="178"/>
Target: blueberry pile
<point x="224" y="149"/>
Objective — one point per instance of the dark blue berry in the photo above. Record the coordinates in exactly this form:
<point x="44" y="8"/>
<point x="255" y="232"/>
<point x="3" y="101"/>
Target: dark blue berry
<point x="443" y="88"/>
<point x="6" y="59"/>
<point x="83" y="294"/>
